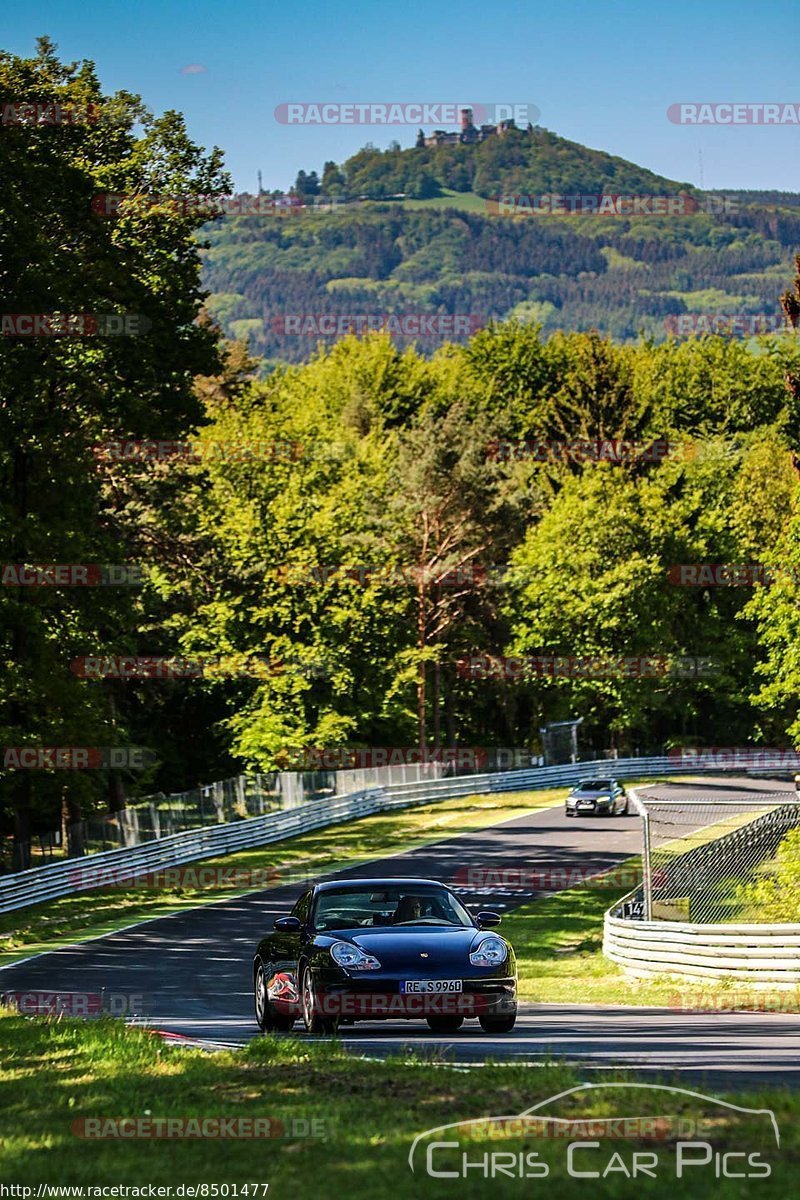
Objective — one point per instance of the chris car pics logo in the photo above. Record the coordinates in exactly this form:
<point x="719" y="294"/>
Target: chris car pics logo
<point x="681" y="1134"/>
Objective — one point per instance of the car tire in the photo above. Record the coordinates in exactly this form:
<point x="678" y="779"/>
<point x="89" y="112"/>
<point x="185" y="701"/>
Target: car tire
<point x="498" y="1024"/>
<point x="623" y="812"/>
<point x="312" y="1018"/>
<point x="445" y="1024"/>
<point x="567" y="813"/>
<point x="267" y="1019"/>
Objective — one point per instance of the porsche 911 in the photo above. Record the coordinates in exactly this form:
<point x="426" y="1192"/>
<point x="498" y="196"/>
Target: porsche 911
<point x="384" y="949"/>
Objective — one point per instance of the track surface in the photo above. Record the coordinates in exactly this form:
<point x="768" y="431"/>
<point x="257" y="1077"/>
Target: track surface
<point x="190" y="974"/>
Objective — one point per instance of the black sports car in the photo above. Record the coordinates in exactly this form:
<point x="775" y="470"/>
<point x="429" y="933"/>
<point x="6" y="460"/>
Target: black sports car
<point x="372" y="949"/>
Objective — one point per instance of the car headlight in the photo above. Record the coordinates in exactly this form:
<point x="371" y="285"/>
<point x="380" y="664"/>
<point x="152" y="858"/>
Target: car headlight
<point x="489" y="953"/>
<point x="345" y="954"/>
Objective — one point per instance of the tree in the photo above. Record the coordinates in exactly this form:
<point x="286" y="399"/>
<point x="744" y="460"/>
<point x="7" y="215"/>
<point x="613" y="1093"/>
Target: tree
<point x="790" y="300"/>
<point x="61" y="396"/>
<point x="591" y="579"/>
<point x="307" y="185"/>
<point x="333" y="180"/>
<point x="444" y="522"/>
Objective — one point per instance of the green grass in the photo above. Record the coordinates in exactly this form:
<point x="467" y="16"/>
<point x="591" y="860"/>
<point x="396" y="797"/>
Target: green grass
<point x="366" y="1114"/>
<point x="74" y="918"/>
<point x="465" y="201"/>
<point x="559" y="947"/>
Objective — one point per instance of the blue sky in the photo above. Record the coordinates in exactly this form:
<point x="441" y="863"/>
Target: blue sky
<point x="600" y="73"/>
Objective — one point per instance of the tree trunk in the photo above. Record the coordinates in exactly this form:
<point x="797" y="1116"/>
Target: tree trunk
<point x="437" y="682"/>
<point x="449" y="717"/>
<point x="21" y="852"/>
<point x="76" y="841"/>
<point x="422" y="681"/>
<point x="116" y="793"/>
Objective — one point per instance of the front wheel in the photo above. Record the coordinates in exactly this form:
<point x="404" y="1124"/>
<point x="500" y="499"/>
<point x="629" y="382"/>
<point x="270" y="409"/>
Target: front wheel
<point x="312" y="1018"/>
<point x="498" y="1024"/>
<point x="267" y="1019"/>
<point x="624" y="810"/>
<point x="445" y="1024"/>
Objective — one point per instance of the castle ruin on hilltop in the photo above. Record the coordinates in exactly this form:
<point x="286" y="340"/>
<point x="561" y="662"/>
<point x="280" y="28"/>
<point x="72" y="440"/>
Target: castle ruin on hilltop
<point x="467" y="135"/>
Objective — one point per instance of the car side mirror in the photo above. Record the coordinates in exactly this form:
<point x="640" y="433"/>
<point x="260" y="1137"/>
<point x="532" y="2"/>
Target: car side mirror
<point x="487" y="919"/>
<point x="287" y="924"/>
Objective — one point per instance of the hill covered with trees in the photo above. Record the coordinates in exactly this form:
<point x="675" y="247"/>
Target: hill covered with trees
<point x="443" y="248"/>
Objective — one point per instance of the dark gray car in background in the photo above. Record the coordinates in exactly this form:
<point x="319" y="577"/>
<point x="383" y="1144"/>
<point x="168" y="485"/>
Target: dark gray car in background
<point x="597" y="797"/>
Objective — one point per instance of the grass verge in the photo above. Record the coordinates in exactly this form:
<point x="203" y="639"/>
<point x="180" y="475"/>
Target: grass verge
<point x="58" y="1074"/>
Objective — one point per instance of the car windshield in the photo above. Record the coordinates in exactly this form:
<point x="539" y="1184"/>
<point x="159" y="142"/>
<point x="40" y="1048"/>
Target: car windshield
<point x="400" y="905"/>
<point x="594" y="785"/>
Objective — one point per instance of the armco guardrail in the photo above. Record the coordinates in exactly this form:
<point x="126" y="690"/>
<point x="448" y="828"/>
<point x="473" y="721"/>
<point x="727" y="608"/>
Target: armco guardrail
<point x="91" y="871"/>
<point x="64" y="878"/>
<point x="768" y="954"/>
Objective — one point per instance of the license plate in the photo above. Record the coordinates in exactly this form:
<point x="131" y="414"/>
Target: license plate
<point x="430" y="985"/>
<point x="586" y="804"/>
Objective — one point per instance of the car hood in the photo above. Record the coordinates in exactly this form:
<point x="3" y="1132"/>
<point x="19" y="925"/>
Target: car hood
<point x="396" y="946"/>
<point x="601" y="794"/>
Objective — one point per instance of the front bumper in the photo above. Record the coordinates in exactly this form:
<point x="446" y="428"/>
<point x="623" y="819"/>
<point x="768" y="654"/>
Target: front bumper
<point x="381" y="999"/>
<point x="590" y="808"/>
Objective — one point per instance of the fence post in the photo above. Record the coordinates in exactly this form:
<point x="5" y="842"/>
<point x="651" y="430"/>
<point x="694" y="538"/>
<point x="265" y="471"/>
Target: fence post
<point x="647" y="875"/>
